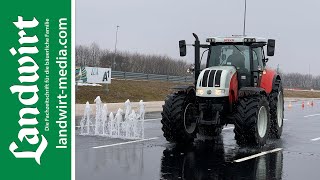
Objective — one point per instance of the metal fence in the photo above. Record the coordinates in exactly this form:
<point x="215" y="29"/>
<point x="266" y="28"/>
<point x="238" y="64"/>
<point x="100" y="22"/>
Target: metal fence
<point x="156" y="77"/>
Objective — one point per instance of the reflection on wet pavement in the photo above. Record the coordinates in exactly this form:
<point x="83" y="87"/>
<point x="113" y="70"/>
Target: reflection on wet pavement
<point x="207" y="160"/>
<point x="158" y="159"/>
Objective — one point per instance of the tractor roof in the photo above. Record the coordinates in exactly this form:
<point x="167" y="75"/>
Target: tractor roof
<point x="236" y="39"/>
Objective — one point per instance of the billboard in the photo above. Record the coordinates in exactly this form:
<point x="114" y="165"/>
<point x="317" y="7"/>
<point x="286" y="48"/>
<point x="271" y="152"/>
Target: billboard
<point x="96" y="75"/>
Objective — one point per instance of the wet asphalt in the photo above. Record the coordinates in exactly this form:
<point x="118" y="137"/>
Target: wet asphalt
<point x="298" y="159"/>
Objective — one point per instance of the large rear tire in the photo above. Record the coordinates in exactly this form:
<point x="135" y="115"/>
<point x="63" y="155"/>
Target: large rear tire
<point x="276" y="111"/>
<point x="178" y="118"/>
<point x="252" y="120"/>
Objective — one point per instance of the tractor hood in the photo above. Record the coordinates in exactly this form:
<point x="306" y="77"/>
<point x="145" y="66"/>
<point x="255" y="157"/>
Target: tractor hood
<point x="215" y="81"/>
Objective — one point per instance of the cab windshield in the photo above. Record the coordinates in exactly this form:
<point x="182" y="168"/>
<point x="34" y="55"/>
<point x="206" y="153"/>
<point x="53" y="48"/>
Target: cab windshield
<point x="230" y="55"/>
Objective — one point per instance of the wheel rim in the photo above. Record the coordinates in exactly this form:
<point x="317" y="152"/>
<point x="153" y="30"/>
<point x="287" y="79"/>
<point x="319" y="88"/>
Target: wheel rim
<point x="262" y="121"/>
<point x="189" y="120"/>
<point x="280" y="109"/>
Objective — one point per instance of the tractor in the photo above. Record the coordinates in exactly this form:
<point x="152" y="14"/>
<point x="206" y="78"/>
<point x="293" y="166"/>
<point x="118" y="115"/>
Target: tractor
<point x="234" y="87"/>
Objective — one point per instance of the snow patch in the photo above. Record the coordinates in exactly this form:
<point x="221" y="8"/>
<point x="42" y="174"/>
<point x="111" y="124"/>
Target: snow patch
<point x="88" y="84"/>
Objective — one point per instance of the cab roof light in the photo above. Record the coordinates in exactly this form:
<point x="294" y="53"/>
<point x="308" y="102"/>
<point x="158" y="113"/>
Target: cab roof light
<point x="249" y="40"/>
<point x="211" y="40"/>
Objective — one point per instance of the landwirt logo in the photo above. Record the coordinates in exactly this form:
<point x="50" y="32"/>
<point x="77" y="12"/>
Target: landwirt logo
<point x="27" y="93"/>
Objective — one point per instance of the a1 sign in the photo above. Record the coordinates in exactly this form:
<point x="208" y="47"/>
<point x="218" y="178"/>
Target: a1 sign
<point x="98" y="75"/>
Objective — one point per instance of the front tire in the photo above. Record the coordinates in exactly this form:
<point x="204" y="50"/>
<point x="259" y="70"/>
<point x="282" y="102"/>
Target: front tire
<point x="178" y="118"/>
<point x="252" y="120"/>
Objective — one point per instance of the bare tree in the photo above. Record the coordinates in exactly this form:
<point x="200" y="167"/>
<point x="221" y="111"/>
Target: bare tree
<point x="156" y="64"/>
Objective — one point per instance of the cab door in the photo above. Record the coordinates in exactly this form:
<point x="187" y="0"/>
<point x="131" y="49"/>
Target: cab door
<point x="258" y="65"/>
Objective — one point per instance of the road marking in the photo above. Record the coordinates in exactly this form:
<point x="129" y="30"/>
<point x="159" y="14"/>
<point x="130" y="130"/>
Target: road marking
<point x="315" y="139"/>
<point x="129" y="142"/>
<point x="228" y="128"/>
<point x="257" y="155"/>
<point x="311" y="115"/>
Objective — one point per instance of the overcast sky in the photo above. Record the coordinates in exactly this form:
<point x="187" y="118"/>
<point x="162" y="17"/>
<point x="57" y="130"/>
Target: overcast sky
<point x="155" y="27"/>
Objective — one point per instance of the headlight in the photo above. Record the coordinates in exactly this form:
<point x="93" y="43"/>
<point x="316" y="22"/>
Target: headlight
<point x="200" y="91"/>
<point x="219" y="92"/>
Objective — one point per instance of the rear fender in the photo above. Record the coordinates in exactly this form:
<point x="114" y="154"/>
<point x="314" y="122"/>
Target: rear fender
<point x="268" y="79"/>
<point x="233" y="89"/>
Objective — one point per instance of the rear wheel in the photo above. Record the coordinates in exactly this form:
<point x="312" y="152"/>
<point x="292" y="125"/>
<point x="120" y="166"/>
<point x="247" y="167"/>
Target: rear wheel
<point x="276" y="112"/>
<point x="252" y="120"/>
<point x="178" y="118"/>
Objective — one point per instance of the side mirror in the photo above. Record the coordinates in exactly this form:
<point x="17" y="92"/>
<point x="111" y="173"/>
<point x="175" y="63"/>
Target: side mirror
<point x="183" y="48"/>
<point x="271" y="46"/>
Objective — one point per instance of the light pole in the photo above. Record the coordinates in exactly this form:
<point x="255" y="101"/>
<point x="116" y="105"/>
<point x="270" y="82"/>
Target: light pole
<point x="244" y="17"/>
<point x="115" y="50"/>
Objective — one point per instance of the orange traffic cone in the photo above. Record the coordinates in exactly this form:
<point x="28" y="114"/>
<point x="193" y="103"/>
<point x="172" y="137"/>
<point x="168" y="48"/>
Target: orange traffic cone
<point x="289" y="105"/>
<point x="302" y="104"/>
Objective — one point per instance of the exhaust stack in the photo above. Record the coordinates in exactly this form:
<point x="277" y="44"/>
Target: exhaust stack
<point x="196" y="57"/>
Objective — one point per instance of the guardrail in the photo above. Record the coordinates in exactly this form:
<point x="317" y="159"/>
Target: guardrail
<point x="302" y="90"/>
<point x="156" y="77"/>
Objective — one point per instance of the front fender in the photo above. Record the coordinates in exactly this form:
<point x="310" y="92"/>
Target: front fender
<point x="251" y="91"/>
<point x="185" y="88"/>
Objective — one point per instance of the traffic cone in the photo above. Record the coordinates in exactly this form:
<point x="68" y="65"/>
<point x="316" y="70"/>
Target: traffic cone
<point x="289" y="105"/>
<point x="308" y="103"/>
<point x="302" y="104"/>
<point x="311" y="104"/>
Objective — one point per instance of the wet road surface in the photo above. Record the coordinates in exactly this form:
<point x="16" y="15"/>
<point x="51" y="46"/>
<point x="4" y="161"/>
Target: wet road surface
<point x="295" y="156"/>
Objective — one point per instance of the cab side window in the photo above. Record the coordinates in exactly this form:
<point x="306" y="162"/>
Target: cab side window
<point x="257" y="58"/>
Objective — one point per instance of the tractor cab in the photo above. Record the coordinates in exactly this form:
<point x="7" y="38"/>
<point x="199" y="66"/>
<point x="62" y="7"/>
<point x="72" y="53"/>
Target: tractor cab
<point x="245" y="54"/>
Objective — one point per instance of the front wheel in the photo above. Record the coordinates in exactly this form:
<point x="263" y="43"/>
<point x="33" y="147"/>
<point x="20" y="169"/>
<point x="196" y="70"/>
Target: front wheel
<point x="252" y="120"/>
<point x="178" y="118"/>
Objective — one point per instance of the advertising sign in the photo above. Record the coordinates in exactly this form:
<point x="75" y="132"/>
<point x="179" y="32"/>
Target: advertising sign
<point x="97" y="75"/>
